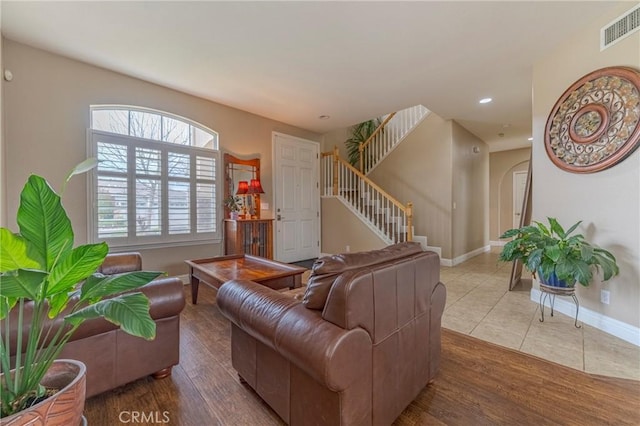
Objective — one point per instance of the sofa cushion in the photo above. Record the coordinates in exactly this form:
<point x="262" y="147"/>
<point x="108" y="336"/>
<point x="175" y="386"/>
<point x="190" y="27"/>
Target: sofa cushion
<point x="326" y="269"/>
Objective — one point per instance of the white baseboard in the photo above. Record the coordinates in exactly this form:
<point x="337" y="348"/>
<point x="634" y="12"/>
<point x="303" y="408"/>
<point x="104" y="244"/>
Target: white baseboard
<point x="432" y="248"/>
<point x="609" y="325"/>
<point x="184" y="278"/>
<point x="497" y="243"/>
<point x="466" y="256"/>
<point x="422" y="240"/>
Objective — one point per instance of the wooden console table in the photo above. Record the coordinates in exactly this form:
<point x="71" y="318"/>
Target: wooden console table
<point x="249" y="236"/>
<point x="216" y="271"/>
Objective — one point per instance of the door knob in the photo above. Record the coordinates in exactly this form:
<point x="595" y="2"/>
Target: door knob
<point x="279" y="217"/>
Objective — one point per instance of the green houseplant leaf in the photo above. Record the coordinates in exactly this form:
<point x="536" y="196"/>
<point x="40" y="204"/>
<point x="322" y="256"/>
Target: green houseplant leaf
<point x="41" y="271"/>
<point x="43" y="221"/>
<point x="22" y="283"/>
<point x="13" y="252"/>
<point x="99" y="285"/>
<point x="359" y="135"/>
<point x="78" y="265"/>
<point x="130" y="312"/>
<point x="6" y="303"/>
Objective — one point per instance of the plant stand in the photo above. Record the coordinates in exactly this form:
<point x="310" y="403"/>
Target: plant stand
<point x="551" y="292"/>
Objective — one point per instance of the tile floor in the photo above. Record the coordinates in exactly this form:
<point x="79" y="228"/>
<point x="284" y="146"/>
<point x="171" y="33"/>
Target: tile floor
<point x="479" y="304"/>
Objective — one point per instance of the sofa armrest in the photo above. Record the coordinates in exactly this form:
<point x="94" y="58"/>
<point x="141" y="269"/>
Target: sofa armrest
<point x="117" y="263"/>
<point x="166" y="297"/>
<point x="331" y="355"/>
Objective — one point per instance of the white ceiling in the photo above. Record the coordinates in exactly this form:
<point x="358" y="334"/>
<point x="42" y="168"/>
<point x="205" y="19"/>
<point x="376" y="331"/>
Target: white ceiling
<point x="295" y="61"/>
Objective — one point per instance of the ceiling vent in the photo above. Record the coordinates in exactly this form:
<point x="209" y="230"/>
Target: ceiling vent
<point x="620" y="28"/>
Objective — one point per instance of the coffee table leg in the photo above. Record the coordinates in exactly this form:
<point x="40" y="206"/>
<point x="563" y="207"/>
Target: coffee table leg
<point x="195" y="283"/>
<point x="297" y="281"/>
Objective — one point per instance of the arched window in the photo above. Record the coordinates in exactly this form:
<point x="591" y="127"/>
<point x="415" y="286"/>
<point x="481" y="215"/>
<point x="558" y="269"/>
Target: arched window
<point x="156" y="180"/>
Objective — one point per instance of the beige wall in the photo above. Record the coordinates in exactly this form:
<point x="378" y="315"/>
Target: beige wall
<point x="470" y="186"/>
<point x="336" y="138"/>
<point x="46" y="109"/>
<point x="341" y="228"/>
<point x="608" y="201"/>
<point x="419" y="170"/>
<point x="502" y="165"/>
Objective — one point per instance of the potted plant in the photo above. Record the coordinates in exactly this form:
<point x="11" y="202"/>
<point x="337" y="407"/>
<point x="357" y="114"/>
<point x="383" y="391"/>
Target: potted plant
<point x="40" y="272"/>
<point x="557" y="257"/>
<point x="232" y="202"/>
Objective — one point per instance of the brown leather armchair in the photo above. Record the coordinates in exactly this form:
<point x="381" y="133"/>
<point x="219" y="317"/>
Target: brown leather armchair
<point x="113" y="357"/>
<point x="357" y="350"/>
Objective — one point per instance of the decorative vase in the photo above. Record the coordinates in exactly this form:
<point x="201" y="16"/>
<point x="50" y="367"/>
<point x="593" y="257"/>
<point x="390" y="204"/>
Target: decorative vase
<point x="234" y="215"/>
<point x="553" y="280"/>
<point x="63" y="408"/>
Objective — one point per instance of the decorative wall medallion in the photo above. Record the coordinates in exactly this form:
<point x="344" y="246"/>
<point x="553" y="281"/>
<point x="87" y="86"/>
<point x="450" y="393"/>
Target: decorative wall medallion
<point x="596" y="123"/>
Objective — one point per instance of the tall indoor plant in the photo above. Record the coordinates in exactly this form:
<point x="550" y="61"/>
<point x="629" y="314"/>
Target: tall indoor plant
<point x="39" y="275"/>
<point x="359" y="135"/>
<point x="558" y="257"/>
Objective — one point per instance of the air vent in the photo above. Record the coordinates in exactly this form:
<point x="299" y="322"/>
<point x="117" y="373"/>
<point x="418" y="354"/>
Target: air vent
<point x="620" y="28"/>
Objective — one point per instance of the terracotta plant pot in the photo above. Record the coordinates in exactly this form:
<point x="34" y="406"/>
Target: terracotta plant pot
<point x="65" y="407"/>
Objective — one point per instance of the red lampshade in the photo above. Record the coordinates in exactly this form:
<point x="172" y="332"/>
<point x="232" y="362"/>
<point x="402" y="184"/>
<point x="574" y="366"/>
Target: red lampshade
<point x="255" y="187"/>
<point x="243" y="187"/>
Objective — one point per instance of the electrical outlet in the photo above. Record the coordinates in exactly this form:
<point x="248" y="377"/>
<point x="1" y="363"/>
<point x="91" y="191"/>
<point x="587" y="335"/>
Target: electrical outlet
<point x="604" y="296"/>
<point x="347" y="249"/>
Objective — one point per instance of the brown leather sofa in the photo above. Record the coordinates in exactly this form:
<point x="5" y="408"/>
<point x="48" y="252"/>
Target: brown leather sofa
<point x="113" y="357"/>
<point x="357" y="350"/>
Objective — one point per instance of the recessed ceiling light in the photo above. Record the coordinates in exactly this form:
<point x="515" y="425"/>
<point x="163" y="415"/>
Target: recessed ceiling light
<point x="530" y="139"/>
<point x="324" y="117"/>
<point x="485" y="100"/>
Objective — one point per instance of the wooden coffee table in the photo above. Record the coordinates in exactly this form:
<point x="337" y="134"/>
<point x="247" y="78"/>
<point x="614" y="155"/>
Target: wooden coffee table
<point x="215" y="271"/>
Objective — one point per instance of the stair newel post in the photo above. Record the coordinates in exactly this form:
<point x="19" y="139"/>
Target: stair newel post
<point x="409" y="221"/>
<point x="361" y="163"/>
<point x="336" y="156"/>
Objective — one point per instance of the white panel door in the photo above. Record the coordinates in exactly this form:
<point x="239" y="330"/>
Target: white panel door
<point x="519" y="185"/>
<point x="297" y="198"/>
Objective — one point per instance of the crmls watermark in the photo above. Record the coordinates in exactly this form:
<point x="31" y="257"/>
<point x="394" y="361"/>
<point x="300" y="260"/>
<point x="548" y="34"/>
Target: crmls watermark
<point x="147" y="417"/>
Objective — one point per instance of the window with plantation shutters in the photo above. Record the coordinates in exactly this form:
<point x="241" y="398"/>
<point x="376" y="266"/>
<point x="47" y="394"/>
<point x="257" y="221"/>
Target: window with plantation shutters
<point x="156" y="180"/>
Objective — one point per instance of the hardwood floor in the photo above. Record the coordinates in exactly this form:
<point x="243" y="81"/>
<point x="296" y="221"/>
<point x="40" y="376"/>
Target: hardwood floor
<point x="479" y="384"/>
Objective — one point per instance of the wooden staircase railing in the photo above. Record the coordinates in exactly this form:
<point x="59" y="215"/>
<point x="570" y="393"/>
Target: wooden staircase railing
<point x="389" y="218"/>
<point x="388" y="135"/>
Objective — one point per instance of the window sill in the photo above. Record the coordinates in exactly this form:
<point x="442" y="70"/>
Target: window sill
<point x="115" y="248"/>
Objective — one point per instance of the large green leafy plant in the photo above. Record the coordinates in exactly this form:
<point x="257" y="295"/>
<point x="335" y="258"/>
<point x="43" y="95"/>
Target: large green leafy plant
<point x="40" y="266"/>
<point x="359" y="135"/>
<point x="549" y="250"/>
